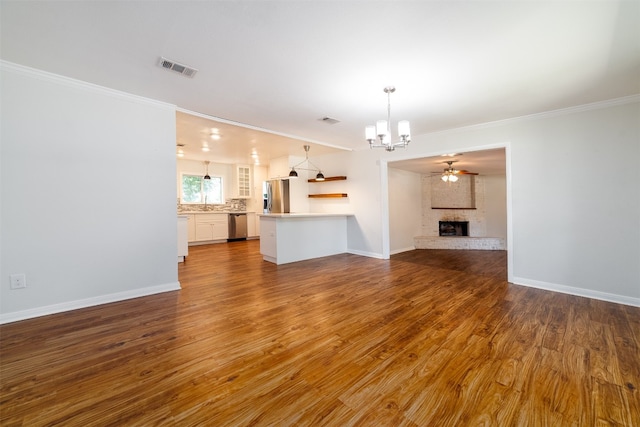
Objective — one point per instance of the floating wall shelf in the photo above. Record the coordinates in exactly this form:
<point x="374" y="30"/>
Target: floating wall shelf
<point x="327" y="195"/>
<point x="329" y="178"/>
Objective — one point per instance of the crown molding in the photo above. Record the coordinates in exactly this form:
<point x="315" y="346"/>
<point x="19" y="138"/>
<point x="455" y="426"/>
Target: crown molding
<point x="599" y="105"/>
<point x="22" y="70"/>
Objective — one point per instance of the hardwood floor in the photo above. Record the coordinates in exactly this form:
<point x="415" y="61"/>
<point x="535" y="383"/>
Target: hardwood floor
<point x="428" y="338"/>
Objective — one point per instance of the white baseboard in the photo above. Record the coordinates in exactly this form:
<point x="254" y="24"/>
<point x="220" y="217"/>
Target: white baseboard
<point x="363" y="253"/>
<point x="588" y="293"/>
<point x="399" y="251"/>
<point x="88" y="302"/>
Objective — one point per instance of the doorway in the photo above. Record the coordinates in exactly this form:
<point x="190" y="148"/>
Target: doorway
<point x="490" y="218"/>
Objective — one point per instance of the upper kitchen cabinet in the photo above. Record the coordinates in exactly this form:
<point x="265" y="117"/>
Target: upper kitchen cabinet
<point x="243" y="181"/>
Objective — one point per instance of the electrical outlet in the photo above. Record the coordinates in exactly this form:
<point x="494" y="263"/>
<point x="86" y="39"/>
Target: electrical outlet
<point x="18" y="281"/>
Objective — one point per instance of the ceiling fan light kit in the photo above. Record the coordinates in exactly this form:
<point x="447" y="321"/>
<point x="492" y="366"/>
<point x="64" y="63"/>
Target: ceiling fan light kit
<point x="379" y="136"/>
<point x="451" y="175"/>
<point x="449" y="178"/>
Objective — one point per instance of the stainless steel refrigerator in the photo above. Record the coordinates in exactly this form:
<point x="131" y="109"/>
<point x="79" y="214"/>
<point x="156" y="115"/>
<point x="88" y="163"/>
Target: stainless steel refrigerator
<point x="277" y="196"/>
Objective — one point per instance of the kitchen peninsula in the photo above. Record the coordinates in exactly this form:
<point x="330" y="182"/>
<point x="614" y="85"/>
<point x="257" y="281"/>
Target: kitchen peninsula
<point x="291" y="237"/>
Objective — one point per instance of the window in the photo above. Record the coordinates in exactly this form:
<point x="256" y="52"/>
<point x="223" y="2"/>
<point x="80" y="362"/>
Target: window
<point x="195" y="189"/>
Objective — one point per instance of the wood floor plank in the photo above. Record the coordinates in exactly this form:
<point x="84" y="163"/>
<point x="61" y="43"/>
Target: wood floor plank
<point x="429" y="337"/>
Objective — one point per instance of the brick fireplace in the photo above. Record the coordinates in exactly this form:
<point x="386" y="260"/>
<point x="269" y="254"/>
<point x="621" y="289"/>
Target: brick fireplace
<point x="452" y="218"/>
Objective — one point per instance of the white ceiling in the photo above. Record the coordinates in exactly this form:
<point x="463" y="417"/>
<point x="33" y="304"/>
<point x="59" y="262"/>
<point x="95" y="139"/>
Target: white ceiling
<point x="486" y="162"/>
<point x="236" y="144"/>
<point x="283" y="65"/>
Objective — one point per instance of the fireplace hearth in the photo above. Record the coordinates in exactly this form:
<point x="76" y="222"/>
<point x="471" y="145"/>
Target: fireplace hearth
<point x="453" y="228"/>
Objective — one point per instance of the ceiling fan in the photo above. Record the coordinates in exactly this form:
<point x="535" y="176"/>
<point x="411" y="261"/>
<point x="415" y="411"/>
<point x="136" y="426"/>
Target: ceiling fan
<point x="451" y="175"/>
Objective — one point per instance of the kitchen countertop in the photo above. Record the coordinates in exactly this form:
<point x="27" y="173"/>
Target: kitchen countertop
<point x="302" y="215"/>
<point x="213" y="212"/>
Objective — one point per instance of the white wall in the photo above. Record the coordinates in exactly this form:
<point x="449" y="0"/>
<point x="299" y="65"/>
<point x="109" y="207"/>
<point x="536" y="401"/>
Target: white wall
<point x="495" y="205"/>
<point x="88" y="194"/>
<point x="363" y="187"/>
<point x="565" y="199"/>
<point x="405" y="209"/>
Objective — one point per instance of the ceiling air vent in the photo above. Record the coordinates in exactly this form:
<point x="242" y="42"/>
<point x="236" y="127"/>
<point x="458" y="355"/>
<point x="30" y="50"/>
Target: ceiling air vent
<point x="329" y="120"/>
<point x="185" y="70"/>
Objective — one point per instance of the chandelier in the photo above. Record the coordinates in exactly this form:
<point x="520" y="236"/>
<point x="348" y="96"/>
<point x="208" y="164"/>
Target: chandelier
<point x="449" y="174"/>
<point x="294" y="174"/>
<point x="381" y="132"/>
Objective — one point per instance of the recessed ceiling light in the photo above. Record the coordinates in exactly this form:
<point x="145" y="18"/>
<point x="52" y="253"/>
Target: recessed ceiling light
<point x="215" y="136"/>
<point x="205" y="148"/>
<point x="451" y="155"/>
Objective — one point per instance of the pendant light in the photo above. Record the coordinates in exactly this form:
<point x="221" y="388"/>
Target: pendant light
<point x="206" y="176"/>
<point x="294" y="173"/>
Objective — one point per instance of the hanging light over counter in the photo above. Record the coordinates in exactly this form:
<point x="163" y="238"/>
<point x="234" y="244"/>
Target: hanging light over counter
<point x="294" y="173"/>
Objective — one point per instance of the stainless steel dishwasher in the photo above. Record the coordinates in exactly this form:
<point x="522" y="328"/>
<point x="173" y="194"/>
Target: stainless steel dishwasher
<point x="237" y="226"/>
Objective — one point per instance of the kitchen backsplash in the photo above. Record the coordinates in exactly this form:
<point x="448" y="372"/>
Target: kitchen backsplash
<point x="231" y="205"/>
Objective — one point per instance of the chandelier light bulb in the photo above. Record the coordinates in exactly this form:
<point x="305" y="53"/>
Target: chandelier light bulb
<point x="370" y="133"/>
<point x="403" y="128"/>
<point x="381" y="128"/>
<point x="453" y="178"/>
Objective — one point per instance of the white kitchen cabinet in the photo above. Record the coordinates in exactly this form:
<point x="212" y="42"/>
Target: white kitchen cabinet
<point x="191" y="227"/>
<point x="183" y="246"/>
<point x="243" y="181"/>
<point x="251" y="225"/>
<point x="257" y="222"/>
<point x="213" y="226"/>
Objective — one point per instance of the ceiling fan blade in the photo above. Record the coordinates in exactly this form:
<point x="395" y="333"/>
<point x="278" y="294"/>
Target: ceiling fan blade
<point x="466" y="172"/>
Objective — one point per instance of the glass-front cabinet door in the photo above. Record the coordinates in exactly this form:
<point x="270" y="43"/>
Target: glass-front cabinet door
<point x="243" y="181"/>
